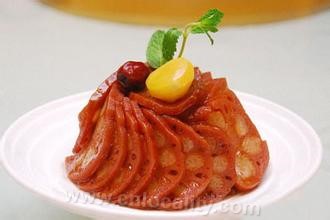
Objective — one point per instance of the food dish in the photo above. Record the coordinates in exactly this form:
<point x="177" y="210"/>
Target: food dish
<point x="33" y="147"/>
<point x="201" y="146"/>
<point x="190" y="141"/>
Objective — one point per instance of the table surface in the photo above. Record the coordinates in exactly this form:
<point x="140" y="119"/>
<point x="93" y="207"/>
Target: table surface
<point x="47" y="54"/>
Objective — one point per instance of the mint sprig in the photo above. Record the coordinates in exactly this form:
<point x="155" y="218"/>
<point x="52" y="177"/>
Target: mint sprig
<point x="169" y="44"/>
<point x="155" y="56"/>
<point x="162" y="44"/>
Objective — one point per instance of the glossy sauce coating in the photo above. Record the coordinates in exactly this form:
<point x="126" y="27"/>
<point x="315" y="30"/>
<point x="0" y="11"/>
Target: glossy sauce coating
<point x="198" y="166"/>
<point x="222" y="109"/>
<point x="223" y="157"/>
<point x="112" y="164"/>
<point x="132" y="162"/>
<point x="194" y="96"/>
<point x="82" y="165"/>
<point x="137" y="151"/>
<point x="170" y="168"/>
<point x="89" y="115"/>
<point x="149" y="164"/>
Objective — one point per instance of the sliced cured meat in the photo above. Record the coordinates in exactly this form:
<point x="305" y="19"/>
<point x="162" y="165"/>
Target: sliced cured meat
<point x="194" y="96"/>
<point x="149" y="164"/>
<point x="89" y="115"/>
<point x="198" y="167"/>
<point x="111" y="166"/>
<point x="133" y="159"/>
<point x="82" y="165"/>
<point x="170" y="162"/>
<point x="223" y="109"/>
<point x="223" y="156"/>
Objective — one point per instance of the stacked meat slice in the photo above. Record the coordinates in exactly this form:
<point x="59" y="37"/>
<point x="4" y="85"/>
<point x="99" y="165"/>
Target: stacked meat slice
<point x="138" y="151"/>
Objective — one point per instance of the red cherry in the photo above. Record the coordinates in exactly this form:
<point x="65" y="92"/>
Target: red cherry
<point x="132" y="75"/>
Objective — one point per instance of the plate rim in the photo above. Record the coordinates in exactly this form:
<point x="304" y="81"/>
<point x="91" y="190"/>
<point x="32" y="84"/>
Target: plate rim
<point x="77" y="208"/>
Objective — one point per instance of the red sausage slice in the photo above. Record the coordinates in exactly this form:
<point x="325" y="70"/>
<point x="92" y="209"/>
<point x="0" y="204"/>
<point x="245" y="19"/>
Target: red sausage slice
<point x="111" y="166"/>
<point x="133" y="160"/>
<point x="223" y="156"/>
<point x="198" y="167"/>
<point x="89" y="115"/>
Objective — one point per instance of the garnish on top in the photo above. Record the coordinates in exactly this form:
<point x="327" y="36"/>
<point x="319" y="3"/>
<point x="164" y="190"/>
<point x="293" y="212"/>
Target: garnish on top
<point x="163" y="44"/>
<point x="173" y="77"/>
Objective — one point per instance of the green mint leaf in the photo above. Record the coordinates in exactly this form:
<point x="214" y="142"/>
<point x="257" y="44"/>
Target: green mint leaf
<point x="211" y="18"/>
<point x="155" y="49"/>
<point x="169" y="44"/>
<point x="201" y="30"/>
<point x="162" y="44"/>
<point x="213" y="29"/>
<point x="197" y="30"/>
<point x="208" y="22"/>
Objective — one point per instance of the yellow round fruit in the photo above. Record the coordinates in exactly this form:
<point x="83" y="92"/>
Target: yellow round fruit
<point x="172" y="80"/>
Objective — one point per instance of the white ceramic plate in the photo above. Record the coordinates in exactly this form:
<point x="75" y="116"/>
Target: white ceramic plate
<point x="34" y="147"/>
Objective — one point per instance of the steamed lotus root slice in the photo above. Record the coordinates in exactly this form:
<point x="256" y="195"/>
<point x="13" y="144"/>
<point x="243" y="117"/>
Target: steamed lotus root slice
<point x="195" y="95"/>
<point x="252" y="150"/>
<point x="149" y="160"/>
<point x="252" y="156"/>
<point x="198" y="166"/>
<point x="81" y="166"/>
<point x="217" y="107"/>
<point x="225" y="111"/>
<point x="170" y="161"/>
<point x="133" y="159"/>
<point x="223" y="156"/>
<point x="112" y="165"/>
<point x="88" y="117"/>
<point x="217" y="86"/>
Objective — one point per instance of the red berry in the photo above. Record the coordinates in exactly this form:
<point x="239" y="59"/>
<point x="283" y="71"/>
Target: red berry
<point x="132" y="75"/>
